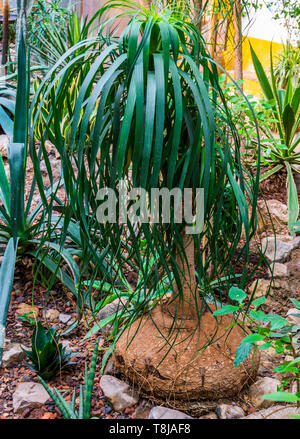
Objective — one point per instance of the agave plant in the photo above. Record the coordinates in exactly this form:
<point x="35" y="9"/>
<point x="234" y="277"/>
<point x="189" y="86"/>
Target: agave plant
<point x="7" y="107"/>
<point x="48" y="357"/>
<point x="285" y="105"/>
<point x="148" y="112"/>
<point x="68" y="410"/>
<point x="287" y="64"/>
<point x="51" y="40"/>
<point x="25" y="228"/>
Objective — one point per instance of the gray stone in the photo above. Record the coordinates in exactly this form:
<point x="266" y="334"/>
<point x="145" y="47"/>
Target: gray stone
<point x="4" y="141"/>
<point x="294" y="388"/>
<point x="160" y="412"/>
<point x="226" y="411"/>
<point x="29" y="395"/>
<point x="268" y="357"/>
<point x="294" y="268"/>
<point x="118" y="392"/>
<point x="260" y="388"/>
<point x="296" y="243"/>
<point x="261" y="287"/>
<point x="143" y="410"/>
<point x="6" y="341"/>
<point x="272" y="214"/>
<point x="278" y="211"/>
<point x="110" y="309"/>
<point x="272" y="217"/>
<point x="64" y="318"/>
<point x="294" y="319"/>
<point x="280" y="270"/>
<point x="283" y="287"/>
<point x="275" y="412"/>
<point x="51" y="314"/>
<point x="12" y="355"/>
<point x="210" y="415"/>
<point x="110" y="368"/>
<point x="67" y="345"/>
<point x="50" y="148"/>
<point x="276" y="250"/>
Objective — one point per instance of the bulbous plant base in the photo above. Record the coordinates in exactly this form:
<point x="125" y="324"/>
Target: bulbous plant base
<point x="180" y="369"/>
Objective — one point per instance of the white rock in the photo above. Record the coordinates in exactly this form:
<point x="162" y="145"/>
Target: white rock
<point x="260" y="388"/>
<point x="261" y="287"/>
<point x="275" y="412"/>
<point x="226" y="411"/>
<point x="272" y="214"/>
<point x="12" y="355"/>
<point x="29" y="395"/>
<point x="294" y="319"/>
<point x="49" y="146"/>
<point x="118" y="392"/>
<point x="143" y="410"/>
<point x="280" y="270"/>
<point x="160" y="412"/>
<point x="296" y="242"/>
<point x="67" y="344"/>
<point x="278" y="211"/>
<point x="210" y="415"/>
<point x="4" y="141"/>
<point x="110" y="309"/>
<point x="51" y="314"/>
<point x="110" y="368"/>
<point x="64" y="318"/>
<point x="113" y="307"/>
<point x="276" y="250"/>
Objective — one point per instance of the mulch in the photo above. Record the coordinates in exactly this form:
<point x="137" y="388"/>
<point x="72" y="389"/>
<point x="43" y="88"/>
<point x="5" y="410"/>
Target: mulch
<point x="70" y="378"/>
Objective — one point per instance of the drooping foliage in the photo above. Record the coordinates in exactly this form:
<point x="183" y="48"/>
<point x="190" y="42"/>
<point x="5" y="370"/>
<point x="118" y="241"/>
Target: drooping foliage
<point x="149" y="110"/>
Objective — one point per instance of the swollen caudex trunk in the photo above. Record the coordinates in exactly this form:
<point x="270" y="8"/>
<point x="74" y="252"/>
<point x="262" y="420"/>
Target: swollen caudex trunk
<point x="176" y="358"/>
<point x="181" y="353"/>
<point x="187" y="302"/>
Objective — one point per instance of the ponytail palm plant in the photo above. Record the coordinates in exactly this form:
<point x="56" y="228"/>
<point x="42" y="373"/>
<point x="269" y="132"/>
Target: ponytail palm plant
<point x="171" y="137"/>
<point x="151" y="112"/>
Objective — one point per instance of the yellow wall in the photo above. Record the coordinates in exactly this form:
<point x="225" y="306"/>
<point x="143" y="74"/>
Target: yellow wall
<point x="262" y="50"/>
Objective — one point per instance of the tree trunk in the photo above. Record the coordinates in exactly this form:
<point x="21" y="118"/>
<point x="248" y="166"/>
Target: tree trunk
<point x="187" y="302"/>
<point x="5" y="37"/>
<point x="238" y="40"/>
<point x="197" y="10"/>
<point x="170" y="353"/>
<point x="213" y="29"/>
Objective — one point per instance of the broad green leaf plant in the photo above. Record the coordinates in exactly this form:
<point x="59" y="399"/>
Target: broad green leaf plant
<point x="268" y="330"/>
<point x="47" y="355"/>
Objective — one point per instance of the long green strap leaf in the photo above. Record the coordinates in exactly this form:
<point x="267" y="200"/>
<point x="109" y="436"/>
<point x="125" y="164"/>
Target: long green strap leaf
<point x="16" y="166"/>
<point x="293" y="202"/>
<point x="7" y="271"/>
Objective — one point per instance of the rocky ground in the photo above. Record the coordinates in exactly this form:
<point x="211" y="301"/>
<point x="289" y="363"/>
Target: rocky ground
<point x="22" y="396"/>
